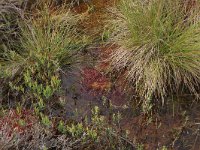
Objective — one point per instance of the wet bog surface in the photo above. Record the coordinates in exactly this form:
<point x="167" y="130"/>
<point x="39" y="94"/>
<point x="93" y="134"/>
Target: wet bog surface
<point x="89" y="86"/>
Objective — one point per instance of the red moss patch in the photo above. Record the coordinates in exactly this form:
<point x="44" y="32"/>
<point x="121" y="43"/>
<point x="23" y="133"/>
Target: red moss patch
<point x="95" y="81"/>
<point x="17" y="122"/>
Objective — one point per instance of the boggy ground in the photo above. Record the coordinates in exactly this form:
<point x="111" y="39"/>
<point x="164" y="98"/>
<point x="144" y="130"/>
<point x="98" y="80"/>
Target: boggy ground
<point x="176" y="127"/>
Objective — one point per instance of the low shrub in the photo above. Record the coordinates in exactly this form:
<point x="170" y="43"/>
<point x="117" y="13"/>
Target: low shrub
<point x="92" y="133"/>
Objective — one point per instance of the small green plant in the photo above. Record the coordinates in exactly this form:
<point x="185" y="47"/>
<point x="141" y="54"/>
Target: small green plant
<point x="116" y="118"/>
<point x="76" y="130"/>
<point x="22" y="122"/>
<point x="40" y="105"/>
<point x="96" y="118"/>
<point x="92" y="134"/>
<point x="45" y="120"/>
<point x="140" y="147"/>
<point x="62" y="127"/>
<point x="105" y="35"/>
<point x="19" y="109"/>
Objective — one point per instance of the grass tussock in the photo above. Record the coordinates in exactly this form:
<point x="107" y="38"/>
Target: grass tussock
<point x="49" y="42"/>
<point x="159" y="46"/>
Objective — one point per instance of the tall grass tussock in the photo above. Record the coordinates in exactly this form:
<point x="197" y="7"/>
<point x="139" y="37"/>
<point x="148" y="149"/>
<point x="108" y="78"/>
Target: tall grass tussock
<point x="158" y="46"/>
<point x="49" y="43"/>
